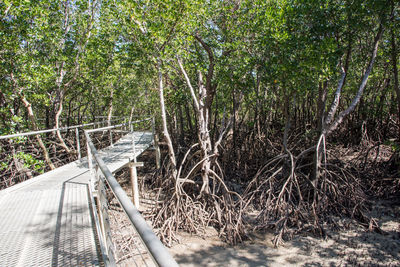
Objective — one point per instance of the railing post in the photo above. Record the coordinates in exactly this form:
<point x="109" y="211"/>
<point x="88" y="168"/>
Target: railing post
<point x="133" y="173"/>
<point x="155" y="143"/>
<point x="89" y="158"/>
<point x="158" y="153"/>
<point x="90" y="164"/>
<point x="153" y="126"/>
<point x="78" y="144"/>
<point x="102" y="203"/>
<point x="134" y="147"/>
<point x="111" y="138"/>
<point x="134" y="182"/>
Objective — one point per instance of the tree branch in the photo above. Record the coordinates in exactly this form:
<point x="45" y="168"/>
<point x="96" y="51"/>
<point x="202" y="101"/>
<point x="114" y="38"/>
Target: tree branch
<point x="210" y="89"/>
<point x="364" y="80"/>
<point x="195" y="100"/>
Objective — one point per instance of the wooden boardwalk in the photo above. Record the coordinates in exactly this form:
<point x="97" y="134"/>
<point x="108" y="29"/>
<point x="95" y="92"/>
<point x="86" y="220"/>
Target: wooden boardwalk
<point x="48" y="220"/>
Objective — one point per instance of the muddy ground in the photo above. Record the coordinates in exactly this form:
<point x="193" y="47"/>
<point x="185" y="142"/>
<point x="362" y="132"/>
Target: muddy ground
<point x="354" y="246"/>
<point x="348" y="245"/>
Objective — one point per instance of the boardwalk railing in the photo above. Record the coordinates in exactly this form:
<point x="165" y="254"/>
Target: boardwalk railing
<point x="102" y="180"/>
<point x="22" y="157"/>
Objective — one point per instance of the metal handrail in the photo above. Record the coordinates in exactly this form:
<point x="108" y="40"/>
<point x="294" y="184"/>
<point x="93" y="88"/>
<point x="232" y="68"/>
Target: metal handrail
<point x="157" y="250"/>
<point x="115" y="126"/>
<point x="51" y="130"/>
<point x="106" y="128"/>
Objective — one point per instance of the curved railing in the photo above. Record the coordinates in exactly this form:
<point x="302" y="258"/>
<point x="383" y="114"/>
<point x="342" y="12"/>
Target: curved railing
<point x="103" y="178"/>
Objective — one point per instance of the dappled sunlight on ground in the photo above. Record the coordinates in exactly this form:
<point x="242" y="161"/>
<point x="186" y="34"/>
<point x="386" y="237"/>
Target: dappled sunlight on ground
<point x="353" y="246"/>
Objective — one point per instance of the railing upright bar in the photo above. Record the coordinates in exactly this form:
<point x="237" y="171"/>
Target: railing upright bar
<point x="153" y="127"/>
<point x="89" y="158"/>
<point x="134" y="148"/>
<point x="103" y="249"/>
<point x="78" y="144"/>
<point x="155" y="143"/>
<point x="104" y="220"/>
<point x="111" y="138"/>
<point x="134" y="182"/>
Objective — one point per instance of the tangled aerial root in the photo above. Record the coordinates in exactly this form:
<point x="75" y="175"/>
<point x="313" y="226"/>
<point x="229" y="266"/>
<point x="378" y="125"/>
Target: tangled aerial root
<point x="181" y="206"/>
<point x="284" y="192"/>
<point x="290" y="201"/>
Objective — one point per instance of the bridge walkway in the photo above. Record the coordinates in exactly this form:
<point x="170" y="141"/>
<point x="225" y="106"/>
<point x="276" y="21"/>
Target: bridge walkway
<point x="48" y="220"/>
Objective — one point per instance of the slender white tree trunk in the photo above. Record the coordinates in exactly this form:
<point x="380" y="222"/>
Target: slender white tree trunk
<point x="203" y="131"/>
<point x="330" y="124"/>
<point x="171" y="151"/>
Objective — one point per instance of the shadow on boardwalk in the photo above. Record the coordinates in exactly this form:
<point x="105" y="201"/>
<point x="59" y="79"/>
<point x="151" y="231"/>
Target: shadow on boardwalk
<point x="70" y="237"/>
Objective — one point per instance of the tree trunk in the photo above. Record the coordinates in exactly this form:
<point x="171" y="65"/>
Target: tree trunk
<point x="209" y="88"/>
<point x="110" y="107"/>
<point x="204" y="137"/>
<point x="60" y="66"/>
<point x="331" y="126"/>
<point x="396" y="79"/>
<point x="181" y="125"/>
<point x="109" y="114"/>
<point x="57" y="122"/>
<point x="203" y="132"/>
<point x="130" y="117"/>
<point x="258" y="105"/>
<point x="32" y="118"/>
<point x="189" y="119"/>
<point x="171" y="152"/>
<point x="321" y="104"/>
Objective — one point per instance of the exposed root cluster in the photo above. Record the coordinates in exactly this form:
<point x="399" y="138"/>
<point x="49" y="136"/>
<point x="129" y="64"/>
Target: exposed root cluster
<point x="184" y="207"/>
<point x="289" y="199"/>
<point x="284" y="189"/>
